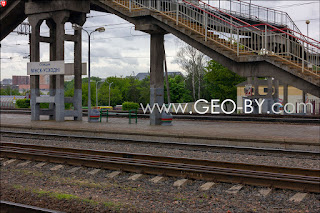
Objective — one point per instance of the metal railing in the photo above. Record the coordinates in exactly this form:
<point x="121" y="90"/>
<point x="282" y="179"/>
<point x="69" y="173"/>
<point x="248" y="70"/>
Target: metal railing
<point x="237" y="35"/>
<point x="256" y="12"/>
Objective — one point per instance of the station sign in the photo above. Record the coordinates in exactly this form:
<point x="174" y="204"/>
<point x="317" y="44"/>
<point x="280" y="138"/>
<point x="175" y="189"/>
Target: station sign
<point x="46" y="68"/>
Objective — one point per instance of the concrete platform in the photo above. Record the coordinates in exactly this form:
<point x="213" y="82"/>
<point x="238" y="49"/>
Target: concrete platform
<point x="194" y="131"/>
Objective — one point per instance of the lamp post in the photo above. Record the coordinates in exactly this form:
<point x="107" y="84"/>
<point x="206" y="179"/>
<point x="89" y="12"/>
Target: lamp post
<point x="307" y="22"/>
<point x="97" y="82"/>
<point x="100" y="30"/>
<point x="109" y="91"/>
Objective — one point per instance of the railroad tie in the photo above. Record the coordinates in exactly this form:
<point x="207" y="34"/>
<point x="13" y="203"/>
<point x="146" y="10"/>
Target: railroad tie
<point x="39" y="165"/>
<point x="206" y="186"/>
<point x="57" y="167"/>
<point x="265" y="192"/>
<point x="157" y="179"/>
<point x="180" y="183"/>
<point x="113" y="174"/>
<point x="93" y="172"/>
<point x="298" y="197"/>
<point x="8" y="162"/>
<point x="24" y="163"/>
<point x="234" y="189"/>
<point x="73" y="170"/>
<point x="135" y="177"/>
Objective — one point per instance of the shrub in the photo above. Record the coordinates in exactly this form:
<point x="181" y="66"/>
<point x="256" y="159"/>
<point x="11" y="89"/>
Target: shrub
<point x="129" y="105"/>
<point x="23" y="103"/>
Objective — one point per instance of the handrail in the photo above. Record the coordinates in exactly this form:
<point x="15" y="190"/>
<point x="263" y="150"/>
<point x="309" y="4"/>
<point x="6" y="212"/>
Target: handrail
<point x="286" y="18"/>
<point x="209" y="13"/>
<point x="286" y="28"/>
<point x="249" y="25"/>
<point x="224" y="13"/>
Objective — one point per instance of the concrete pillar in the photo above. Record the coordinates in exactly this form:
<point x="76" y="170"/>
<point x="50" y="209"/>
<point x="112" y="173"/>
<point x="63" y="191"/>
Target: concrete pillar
<point x="35" y="23"/>
<point x="60" y="18"/>
<point x="285" y="94"/>
<point x="269" y="80"/>
<point x="77" y="98"/>
<point x="276" y="89"/>
<point x="156" y="75"/>
<point x="256" y="86"/>
<point x="52" y="84"/>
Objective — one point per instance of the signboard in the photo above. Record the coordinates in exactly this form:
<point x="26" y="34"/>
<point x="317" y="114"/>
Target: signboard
<point x="248" y="90"/>
<point x="46" y="68"/>
<point x="69" y="69"/>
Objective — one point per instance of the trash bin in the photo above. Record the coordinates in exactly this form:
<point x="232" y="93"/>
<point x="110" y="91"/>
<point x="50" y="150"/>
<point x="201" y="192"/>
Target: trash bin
<point x="166" y="119"/>
<point x="94" y="116"/>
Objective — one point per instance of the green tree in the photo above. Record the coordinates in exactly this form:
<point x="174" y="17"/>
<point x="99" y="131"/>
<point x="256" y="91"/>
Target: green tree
<point x="178" y="91"/>
<point x="9" y="91"/>
<point x="221" y="82"/>
<point x="133" y="92"/>
<point x="144" y="88"/>
<point x="115" y="95"/>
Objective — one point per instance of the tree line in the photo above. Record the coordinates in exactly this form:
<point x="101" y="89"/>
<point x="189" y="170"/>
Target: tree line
<point x="214" y="82"/>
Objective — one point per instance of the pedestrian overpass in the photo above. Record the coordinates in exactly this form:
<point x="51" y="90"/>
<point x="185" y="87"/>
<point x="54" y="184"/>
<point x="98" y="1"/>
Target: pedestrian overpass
<point x="248" y="39"/>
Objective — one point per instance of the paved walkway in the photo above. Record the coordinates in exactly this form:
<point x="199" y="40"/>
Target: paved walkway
<point x="201" y="129"/>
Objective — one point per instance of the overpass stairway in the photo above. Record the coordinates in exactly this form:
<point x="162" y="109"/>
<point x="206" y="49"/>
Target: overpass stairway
<point x="232" y="36"/>
<point x="228" y="32"/>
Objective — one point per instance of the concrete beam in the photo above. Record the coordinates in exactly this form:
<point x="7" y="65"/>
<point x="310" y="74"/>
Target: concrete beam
<point x="149" y="28"/>
<point x="34" y="7"/>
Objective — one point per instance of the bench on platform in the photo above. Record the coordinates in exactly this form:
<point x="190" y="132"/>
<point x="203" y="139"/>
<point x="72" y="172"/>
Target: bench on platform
<point x="132" y="114"/>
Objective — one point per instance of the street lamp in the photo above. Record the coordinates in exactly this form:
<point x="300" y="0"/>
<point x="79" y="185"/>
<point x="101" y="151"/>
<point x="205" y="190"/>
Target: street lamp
<point x="100" y="30"/>
<point x="109" y="91"/>
<point x="97" y="82"/>
<point x="307" y="22"/>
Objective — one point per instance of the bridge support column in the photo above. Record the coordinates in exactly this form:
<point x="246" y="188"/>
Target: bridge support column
<point x="156" y="75"/>
<point x="52" y="84"/>
<point x="285" y="94"/>
<point x="56" y="14"/>
<point x="35" y="57"/>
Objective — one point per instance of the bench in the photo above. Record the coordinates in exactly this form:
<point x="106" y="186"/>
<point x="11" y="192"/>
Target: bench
<point x="132" y="114"/>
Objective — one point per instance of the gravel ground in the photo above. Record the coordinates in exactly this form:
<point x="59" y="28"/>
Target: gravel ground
<point x="231" y="156"/>
<point x="81" y="192"/>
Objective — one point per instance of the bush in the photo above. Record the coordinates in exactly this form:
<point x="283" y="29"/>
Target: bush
<point x="44" y="105"/>
<point x="129" y="105"/>
<point x="23" y="103"/>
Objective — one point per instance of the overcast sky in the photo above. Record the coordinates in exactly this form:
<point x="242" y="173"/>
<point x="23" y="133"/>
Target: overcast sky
<point x="121" y="50"/>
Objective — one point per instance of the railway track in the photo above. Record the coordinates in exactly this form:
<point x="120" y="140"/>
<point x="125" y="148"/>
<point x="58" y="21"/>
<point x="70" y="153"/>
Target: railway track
<point x="10" y="207"/>
<point x="176" y="145"/>
<point x="294" y="119"/>
<point x="260" y="175"/>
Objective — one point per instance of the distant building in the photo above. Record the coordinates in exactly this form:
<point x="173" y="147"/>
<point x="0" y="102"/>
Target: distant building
<point x="6" y="81"/>
<point x="23" y="83"/>
<point x="140" y="76"/>
<point x="20" y="80"/>
<point x="294" y="95"/>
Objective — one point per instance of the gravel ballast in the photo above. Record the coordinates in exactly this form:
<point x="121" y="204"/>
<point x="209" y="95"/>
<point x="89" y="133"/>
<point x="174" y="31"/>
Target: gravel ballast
<point x="231" y="156"/>
<point x="81" y="192"/>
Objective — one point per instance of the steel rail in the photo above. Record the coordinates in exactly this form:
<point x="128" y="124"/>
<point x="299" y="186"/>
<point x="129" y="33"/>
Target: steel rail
<point x="277" y="177"/>
<point x="7" y="206"/>
<point x="194" y="146"/>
